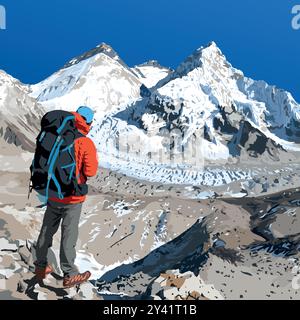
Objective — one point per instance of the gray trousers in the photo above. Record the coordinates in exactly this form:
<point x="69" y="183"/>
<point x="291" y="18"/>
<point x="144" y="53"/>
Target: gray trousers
<point x="69" y="215"/>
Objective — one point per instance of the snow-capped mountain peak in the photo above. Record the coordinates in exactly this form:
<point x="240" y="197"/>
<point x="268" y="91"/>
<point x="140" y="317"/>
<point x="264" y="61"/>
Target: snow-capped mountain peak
<point x="101" y="48"/>
<point x="98" y="78"/>
<point x="206" y="80"/>
<point x="209" y="58"/>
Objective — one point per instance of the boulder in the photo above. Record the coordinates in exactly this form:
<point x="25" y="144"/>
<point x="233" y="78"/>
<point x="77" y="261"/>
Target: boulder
<point x="5" y="245"/>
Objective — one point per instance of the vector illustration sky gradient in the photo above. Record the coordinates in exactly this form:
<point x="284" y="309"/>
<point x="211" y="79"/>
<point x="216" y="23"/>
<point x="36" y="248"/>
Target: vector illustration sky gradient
<point x="256" y="36"/>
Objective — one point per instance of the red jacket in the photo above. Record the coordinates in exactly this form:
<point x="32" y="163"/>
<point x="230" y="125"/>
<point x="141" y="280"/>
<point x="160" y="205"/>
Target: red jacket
<point x="86" y="159"/>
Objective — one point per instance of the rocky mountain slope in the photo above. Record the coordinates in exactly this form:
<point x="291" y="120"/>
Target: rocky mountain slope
<point x="143" y="244"/>
<point x="227" y="254"/>
<point x="19" y="114"/>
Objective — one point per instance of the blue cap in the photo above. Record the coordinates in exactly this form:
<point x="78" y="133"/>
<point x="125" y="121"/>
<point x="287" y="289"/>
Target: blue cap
<point x="87" y="113"/>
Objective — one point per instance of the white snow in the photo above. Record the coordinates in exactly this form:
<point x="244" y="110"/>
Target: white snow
<point x="86" y="261"/>
<point x="150" y="75"/>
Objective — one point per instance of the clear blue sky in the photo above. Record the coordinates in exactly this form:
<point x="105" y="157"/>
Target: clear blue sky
<point x="255" y="35"/>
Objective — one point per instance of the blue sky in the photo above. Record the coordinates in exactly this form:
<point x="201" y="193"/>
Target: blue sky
<point x="255" y="35"/>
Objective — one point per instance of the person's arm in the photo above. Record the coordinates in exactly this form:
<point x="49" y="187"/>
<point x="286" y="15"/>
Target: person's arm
<point x="90" y="159"/>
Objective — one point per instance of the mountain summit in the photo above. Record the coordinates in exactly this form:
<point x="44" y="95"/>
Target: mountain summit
<point x="102" y="48"/>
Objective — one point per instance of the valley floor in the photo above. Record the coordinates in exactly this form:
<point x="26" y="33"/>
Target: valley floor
<point x="146" y="244"/>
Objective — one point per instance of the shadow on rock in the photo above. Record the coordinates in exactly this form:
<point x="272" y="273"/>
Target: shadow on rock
<point x="31" y="287"/>
<point x="33" y="293"/>
<point x="186" y="252"/>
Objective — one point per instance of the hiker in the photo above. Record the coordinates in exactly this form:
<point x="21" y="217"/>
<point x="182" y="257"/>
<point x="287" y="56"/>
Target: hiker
<point x="71" y="159"/>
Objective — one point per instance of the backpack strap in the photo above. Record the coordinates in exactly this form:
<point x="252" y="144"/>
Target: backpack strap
<point x="60" y="129"/>
<point x="51" y="175"/>
<point x="73" y="164"/>
<point x="57" y="141"/>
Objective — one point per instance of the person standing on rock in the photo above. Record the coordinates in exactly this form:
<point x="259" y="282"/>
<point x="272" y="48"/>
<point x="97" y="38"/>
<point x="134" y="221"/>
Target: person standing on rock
<point x="64" y="159"/>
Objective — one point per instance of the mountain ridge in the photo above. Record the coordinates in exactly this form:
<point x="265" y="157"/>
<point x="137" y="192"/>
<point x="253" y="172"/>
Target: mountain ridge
<point x="204" y="98"/>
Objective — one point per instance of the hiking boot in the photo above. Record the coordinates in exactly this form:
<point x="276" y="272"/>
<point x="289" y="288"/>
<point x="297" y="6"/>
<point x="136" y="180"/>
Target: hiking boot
<point x="71" y="281"/>
<point x="41" y="273"/>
